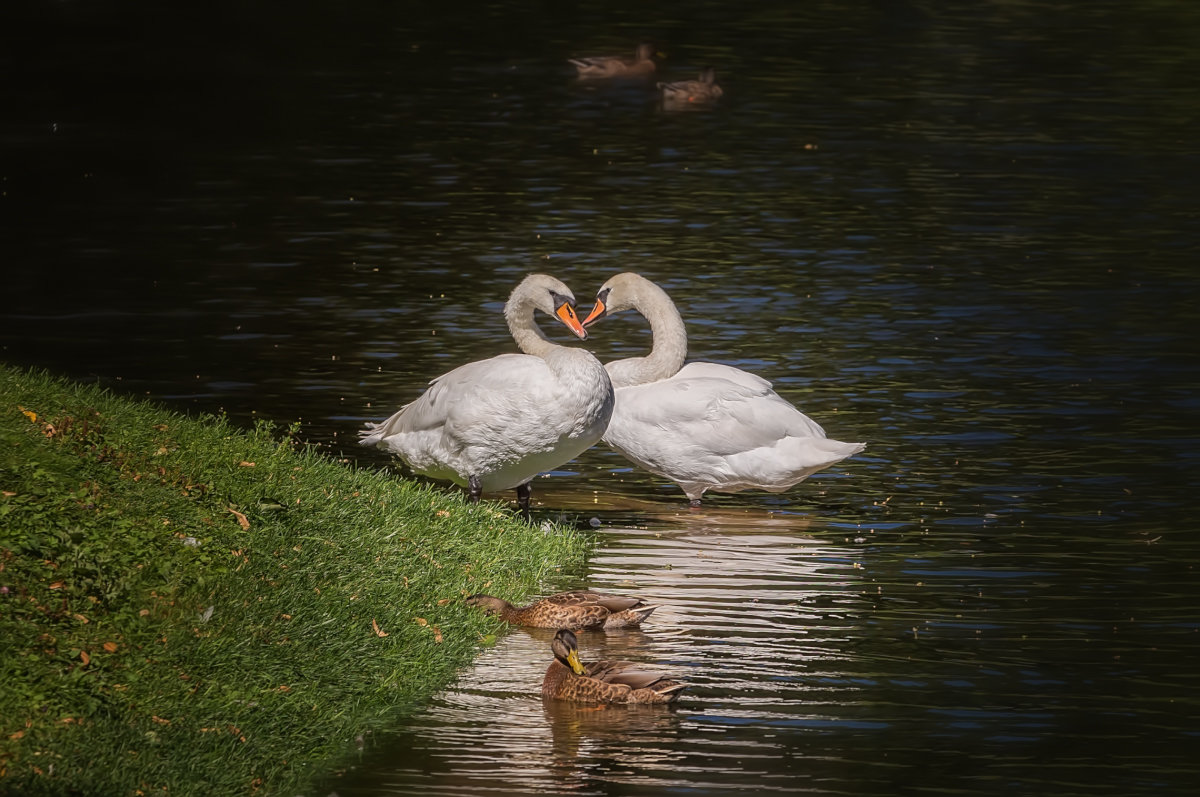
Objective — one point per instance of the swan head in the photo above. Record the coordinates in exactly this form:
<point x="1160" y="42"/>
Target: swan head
<point x="628" y="291"/>
<point x="566" y="649"/>
<point x="551" y="296"/>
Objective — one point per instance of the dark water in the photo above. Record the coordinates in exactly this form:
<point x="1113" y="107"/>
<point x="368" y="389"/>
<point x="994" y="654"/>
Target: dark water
<point x="966" y="237"/>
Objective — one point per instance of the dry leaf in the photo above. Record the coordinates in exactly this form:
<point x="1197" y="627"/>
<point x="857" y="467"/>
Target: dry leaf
<point x="56" y="585"/>
<point x="284" y="688"/>
<point x="7" y="494"/>
<point x="443" y="513"/>
<point x="85" y="658"/>
<point x="378" y="631"/>
<point x="160" y="720"/>
<point x="16" y="735"/>
<point x="437" y="635"/>
<point x="30" y="414"/>
<point x="420" y="621"/>
<point x="80" y="618"/>
<point x="143" y="612"/>
<point x="246" y="464"/>
<point x="241" y="519"/>
<point x="443" y="601"/>
<point x="110" y="647"/>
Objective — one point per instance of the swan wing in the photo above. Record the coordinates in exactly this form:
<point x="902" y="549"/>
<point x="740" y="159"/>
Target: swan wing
<point x="710" y="415"/>
<point x="481" y="417"/>
<point x="719" y="371"/>
<point x="707" y="433"/>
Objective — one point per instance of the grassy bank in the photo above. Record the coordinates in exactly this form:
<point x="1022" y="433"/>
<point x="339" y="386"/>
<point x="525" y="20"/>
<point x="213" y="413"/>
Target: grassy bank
<point x="190" y="609"/>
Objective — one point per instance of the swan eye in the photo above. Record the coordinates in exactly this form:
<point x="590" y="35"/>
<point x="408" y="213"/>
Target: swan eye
<point x="559" y="300"/>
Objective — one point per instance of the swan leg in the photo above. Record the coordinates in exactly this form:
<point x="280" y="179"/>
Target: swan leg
<point x="694" y="503"/>
<point x="523" y="493"/>
<point x="475" y="488"/>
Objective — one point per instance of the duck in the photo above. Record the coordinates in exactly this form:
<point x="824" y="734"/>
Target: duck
<point x="494" y="424"/>
<point x="702" y="90"/>
<point x="573" y="610"/>
<point x="611" y="66"/>
<point x="705" y="426"/>
<point x="567" y="678"/>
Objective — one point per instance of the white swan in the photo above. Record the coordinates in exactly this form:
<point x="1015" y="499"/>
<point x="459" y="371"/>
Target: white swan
<point x="495" y="424"/>
<point x="704" y="426"/>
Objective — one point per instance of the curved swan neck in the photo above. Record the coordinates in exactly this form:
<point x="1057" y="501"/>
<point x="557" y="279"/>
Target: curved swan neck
<point x="529" y="336"/>
<point x="669" y="347"/>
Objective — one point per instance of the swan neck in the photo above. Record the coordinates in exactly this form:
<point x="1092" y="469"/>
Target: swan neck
<point x="525" y="331"/>
<point x="669" y="347"/>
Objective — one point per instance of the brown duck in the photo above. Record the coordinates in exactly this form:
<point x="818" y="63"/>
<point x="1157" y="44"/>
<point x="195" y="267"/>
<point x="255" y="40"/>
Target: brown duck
<point x="602" y="681"/>
<point x="703" y="90"/>
<point x="609" y="66"/>
<point x="576" y="610"/>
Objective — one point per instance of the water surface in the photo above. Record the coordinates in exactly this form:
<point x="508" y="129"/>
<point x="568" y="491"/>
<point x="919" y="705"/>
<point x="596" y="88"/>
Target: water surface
<point x="966" y="237"/>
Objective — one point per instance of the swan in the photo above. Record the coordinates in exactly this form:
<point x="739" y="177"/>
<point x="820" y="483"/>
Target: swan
<point x="495" y="424"/>
<point x="612" y="66"/>
<point x="704" y="426"/>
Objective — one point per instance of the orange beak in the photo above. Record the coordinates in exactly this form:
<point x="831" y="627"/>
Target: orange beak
<point x="566" y="314"/>
<point x="597" y="313"/>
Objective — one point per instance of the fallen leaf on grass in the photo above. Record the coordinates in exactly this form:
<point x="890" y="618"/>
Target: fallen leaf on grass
<point x="80" y="618"/>
<point x="7" y="494"/>
<point x="378" y="631"/>
<point x="246" y="464"/>
<point x="420" y="621"/>
<point x="437" y="635"/>
<point x="85" y="658"/>
<point x="16" y="735"/>
<point x="110" y="647"/>
<point x="241" y="519"/>
<point x="56" y="585"/>
<point x="159" y="720"/>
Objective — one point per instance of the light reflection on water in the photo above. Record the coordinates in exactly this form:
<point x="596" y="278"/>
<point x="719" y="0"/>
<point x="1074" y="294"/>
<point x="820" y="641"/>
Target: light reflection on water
<point x="740" y="621"/>
<point x="861" y="660"/>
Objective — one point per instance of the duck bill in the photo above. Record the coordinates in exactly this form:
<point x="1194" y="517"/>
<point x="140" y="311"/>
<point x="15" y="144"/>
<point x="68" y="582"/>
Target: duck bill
<point x="566" y="314"/>
<point x="576" y="664"/>
<point x="598" y="312"/>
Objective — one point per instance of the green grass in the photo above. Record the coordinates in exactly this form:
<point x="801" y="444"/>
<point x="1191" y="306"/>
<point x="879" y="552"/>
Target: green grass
<point x="186" y="608"/>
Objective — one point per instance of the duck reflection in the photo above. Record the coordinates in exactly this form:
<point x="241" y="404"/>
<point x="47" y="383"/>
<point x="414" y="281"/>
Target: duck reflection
<point x="583" y="738"/>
